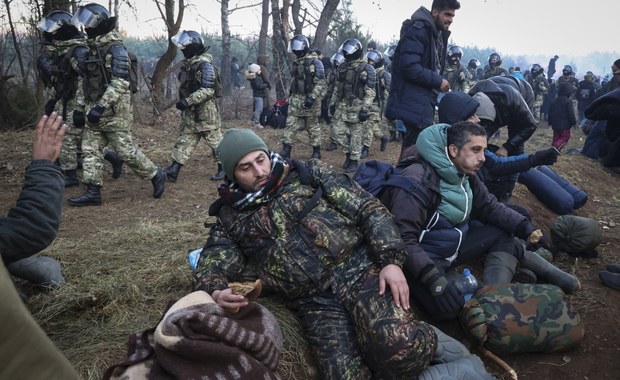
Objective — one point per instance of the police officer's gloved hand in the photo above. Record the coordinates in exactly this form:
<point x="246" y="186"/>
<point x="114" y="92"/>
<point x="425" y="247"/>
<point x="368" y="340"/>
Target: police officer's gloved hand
<point x="79" y="121"/>
<point x="182" y="104"/>
<point x="49" y="106"/>
<point x="309" y="102"/>
<point x="94" y="115"/>
<point x="544" y="157"/>
<point x="363" y="115"/>
<point x="447" y="296"/>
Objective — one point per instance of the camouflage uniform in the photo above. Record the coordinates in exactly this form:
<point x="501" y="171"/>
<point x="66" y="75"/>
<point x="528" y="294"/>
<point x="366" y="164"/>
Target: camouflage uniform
<point x="327" y="265"/>
<point x="572" y="82"/>
<point x="494" y="71"/>
<point x="354" y="90"/>
<point x="308" y="80"/>
<point x="541" y="89"/>
<point x="377" y="126"/>
<point x="114" y="127"/>
<point x="202" y="118"/>
<point x="331" y="83"/>
<point x="68" y="83"/>
<point x="458" y="76"/>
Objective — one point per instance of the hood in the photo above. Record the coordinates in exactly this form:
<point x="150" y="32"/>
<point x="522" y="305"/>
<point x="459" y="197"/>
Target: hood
<point x="423" y="14"/>
<point x="108" y="37"/>
<point x="432" y="145"/>
<point x="456" y="106"/>
<point x="486" y="109"/>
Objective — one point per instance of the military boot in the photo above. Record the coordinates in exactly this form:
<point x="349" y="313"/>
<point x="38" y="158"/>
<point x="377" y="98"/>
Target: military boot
<point x="115" y="160"/>
<point x="499" y="268"/>
<point x="346" y="161"/>
<point x="220" y="173"/>
<point x="92" y="197"/>
<point x="332" y="146"/>
<point x="351" y="166"/>
<point x="71" y="178"/>
<point x="365" y="152"/>
<point x="548" y="272"/>
<point x="158" y="181"/>
<point x="172" y="171"/>
<point x="286" y="151"/>
<point x="40" y="270"/>
<point x="384" y="142"/>
<point x="316" y="152"/>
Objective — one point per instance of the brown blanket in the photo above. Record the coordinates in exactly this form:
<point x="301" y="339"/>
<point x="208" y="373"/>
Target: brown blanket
<point x="197" y="339"/>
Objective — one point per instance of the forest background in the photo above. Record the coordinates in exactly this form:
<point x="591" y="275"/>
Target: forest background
<point x="327" y="23"/>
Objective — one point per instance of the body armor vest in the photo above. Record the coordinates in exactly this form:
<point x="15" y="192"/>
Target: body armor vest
<point x="348" y="85"/>
<point x="302" y="81"/>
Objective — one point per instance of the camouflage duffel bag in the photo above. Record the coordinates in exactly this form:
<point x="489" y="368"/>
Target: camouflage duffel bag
<point x="518" y="318"/>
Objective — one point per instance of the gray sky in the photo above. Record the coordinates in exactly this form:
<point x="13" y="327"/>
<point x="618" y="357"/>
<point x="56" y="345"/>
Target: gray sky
<point x="528" y="27"/>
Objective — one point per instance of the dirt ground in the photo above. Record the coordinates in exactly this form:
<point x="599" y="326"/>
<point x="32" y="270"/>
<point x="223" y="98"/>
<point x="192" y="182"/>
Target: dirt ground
<point x="128" y="207"/>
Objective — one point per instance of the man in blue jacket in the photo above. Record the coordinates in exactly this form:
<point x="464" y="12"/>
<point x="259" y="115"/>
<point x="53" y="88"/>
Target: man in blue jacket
<point x="417" y="67"/>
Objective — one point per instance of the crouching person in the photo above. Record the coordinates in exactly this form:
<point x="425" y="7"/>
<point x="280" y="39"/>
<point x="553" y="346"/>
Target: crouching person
<point x="332" y="250"/>
<point x="461" y="222"/>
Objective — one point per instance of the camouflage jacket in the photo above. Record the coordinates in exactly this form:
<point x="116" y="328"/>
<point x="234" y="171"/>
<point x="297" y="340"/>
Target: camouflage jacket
<point x="307" y="79"/>
<point x="203" y="113"/>
<point x="494" y="71"/>
<point x="458" y="76"/>
<point x="347" y="231"/>
<point x="354" y="89"/>
<point x="116" y="98"/>
<point x="571" y="80"/>
<point x="539" y="84"/>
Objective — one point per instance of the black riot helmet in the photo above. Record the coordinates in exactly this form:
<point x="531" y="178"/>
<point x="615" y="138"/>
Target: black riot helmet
<point x="536" y="70"/>
<point x="351" y="49"/>
<point x="473" y="64"/>
<point x="455" y="53"/>
<point x="495" y="60"/>
<point x="376" y="57"/>
<point x="567" y="70"/>
<point x="337" y="59"/>
<point x="57" y="26"/>
<point x="190" y="43"/>
<point x="299" y="45"/>
<point x="95" y="19"/>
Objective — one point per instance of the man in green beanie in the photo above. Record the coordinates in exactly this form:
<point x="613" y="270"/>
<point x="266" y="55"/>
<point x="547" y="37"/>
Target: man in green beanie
<point x="332" y="251"/>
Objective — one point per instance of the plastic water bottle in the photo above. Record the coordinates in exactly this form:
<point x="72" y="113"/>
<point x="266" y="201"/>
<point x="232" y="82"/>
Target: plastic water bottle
<point x="467" y="284"/>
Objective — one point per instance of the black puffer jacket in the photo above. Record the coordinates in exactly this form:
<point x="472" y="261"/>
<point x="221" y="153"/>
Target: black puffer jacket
<point x="510" y="97"/>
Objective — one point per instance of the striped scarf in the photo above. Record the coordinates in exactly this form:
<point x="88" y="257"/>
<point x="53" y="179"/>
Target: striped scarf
<point x="236" y="198"/>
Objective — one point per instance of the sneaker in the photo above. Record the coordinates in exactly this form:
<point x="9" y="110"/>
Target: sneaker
<point x="259" y="126"/>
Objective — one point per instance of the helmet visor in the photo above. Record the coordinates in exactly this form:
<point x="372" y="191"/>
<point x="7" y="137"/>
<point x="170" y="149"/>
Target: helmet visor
<point x="86" y="18"/>
<point x="48" y="25"/>
<point x="337" y="59"/>
<point x="373" y="56"/>
<point x="296" y="45"/>
<point x="348" y="49"/>
<point x="182" y="39"/>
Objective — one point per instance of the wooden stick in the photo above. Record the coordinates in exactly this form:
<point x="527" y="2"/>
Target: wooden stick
<point x="500" y="362"/>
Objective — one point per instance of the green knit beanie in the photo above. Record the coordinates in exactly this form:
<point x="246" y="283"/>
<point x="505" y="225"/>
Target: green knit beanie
<point x="235" y="144"/>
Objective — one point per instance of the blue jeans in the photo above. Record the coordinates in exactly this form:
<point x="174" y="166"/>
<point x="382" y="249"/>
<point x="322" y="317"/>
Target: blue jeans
<point x="258" y="108"/>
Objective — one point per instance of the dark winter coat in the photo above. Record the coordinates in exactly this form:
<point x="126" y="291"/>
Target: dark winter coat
<point x="414" y="219"/>
<point x="561" y="112"/>
<point x="259" y="86"/>
<point x="33" y="223"/>
<point x="510" y="97"/>
<point x="586" y="93"/>
<point x="415" y="74"/>
<point x="607" y="107"/>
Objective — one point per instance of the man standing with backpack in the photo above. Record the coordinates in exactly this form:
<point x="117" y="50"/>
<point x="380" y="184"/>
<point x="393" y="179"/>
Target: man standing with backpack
<point x="200" y="116"/>
<point x="108" y="109"/>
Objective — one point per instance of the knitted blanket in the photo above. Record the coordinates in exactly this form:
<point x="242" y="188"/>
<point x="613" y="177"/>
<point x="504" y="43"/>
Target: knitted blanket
<point x="197" y="339"/>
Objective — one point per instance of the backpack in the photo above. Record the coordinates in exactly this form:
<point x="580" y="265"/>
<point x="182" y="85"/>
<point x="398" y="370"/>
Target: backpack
<point x="374" y="176"/>
<point x="521" y="318"/>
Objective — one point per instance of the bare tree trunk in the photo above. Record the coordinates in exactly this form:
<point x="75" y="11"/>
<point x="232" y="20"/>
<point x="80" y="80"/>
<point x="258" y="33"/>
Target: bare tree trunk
<point x="161" y="71"/>
<point x="295" y="10"/>
<point x="225" y="62"/>
<point x="264" y="28"/>
<point x="280" y="64"/>
<point x="18" y="52"/>
<point x="322" y="29"/>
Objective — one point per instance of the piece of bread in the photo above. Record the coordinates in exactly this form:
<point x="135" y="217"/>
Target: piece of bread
<point x="250" y="290"/>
